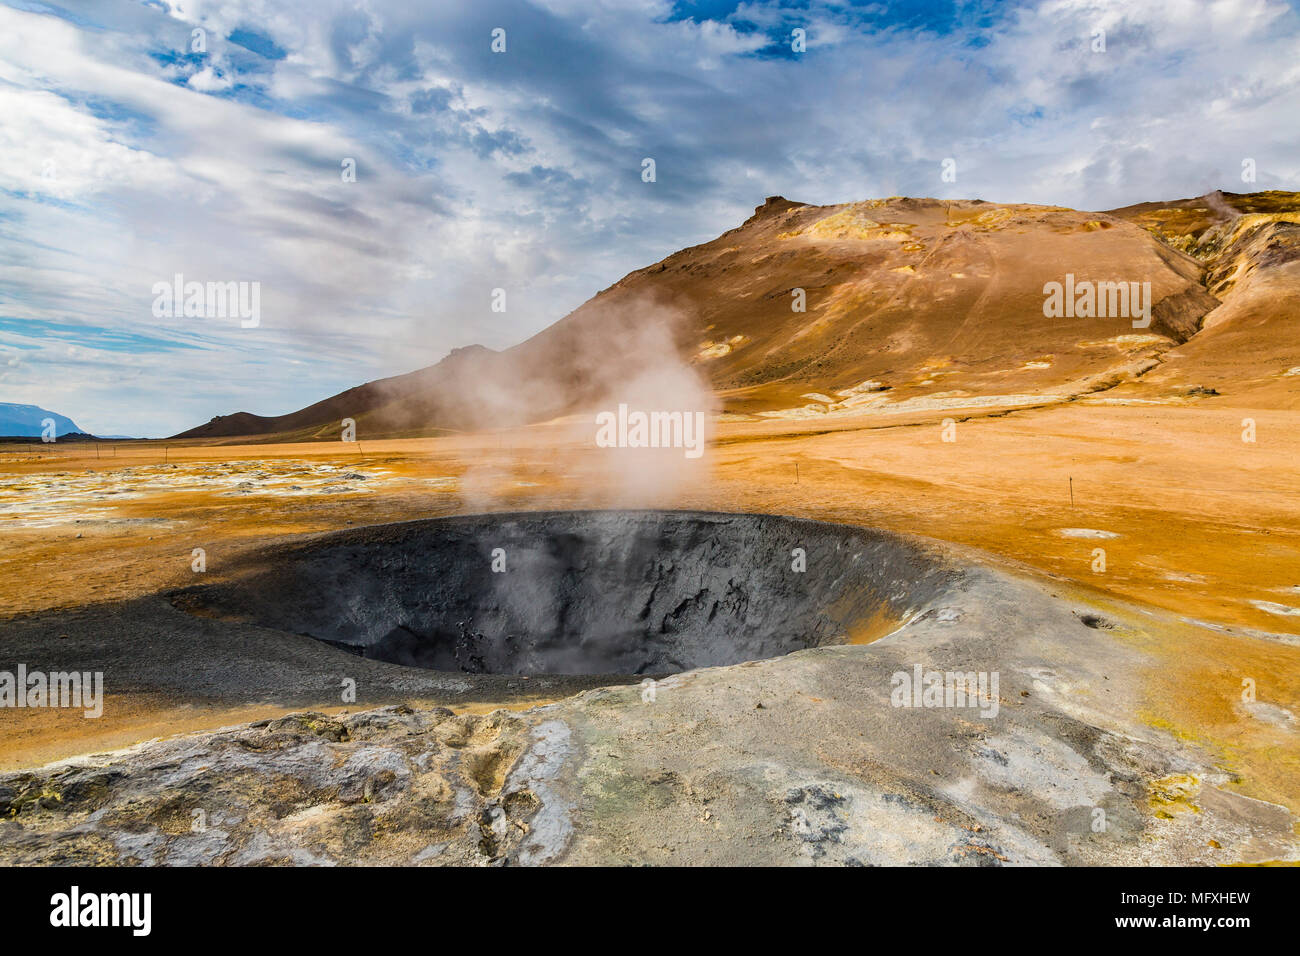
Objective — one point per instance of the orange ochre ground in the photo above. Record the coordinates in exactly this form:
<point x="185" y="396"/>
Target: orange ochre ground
<point x="1203" y="524"/>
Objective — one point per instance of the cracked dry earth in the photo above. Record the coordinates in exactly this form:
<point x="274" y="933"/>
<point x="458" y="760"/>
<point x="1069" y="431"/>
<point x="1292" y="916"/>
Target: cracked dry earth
<point x="800" y="759"/>
<point x="381" y="786"/>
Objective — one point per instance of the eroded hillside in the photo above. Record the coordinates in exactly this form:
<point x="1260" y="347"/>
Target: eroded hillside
<point x="891" y="305"/>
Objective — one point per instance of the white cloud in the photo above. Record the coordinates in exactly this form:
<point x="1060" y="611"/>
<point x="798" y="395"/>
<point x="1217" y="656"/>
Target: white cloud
<point x="477" y="171"/>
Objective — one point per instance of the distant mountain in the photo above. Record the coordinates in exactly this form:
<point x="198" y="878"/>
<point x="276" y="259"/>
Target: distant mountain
<point x="889" y="304"/>
<point x="26" y="421"/>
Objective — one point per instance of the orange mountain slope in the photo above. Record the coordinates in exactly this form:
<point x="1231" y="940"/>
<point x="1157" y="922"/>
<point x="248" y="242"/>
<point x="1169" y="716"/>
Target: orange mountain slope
<point x="1248" y="351"/>
<point x="890" y="305"/>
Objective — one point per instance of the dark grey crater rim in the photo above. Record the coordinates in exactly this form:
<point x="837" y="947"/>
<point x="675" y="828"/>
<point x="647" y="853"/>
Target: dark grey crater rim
<point x="929" y="564"/>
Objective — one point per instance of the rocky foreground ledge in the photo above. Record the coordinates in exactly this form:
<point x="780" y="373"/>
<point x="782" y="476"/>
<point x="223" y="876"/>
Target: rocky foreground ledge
<point x="807" y="758"/>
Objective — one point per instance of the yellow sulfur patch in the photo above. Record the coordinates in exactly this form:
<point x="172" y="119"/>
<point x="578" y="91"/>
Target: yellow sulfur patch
<point x="1173" y="794"/>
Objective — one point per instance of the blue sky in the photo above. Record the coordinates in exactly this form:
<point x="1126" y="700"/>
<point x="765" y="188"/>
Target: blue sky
<point x="126" y="157"/>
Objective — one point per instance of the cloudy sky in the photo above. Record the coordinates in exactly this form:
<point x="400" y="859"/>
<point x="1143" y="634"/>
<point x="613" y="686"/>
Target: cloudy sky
<point x="133" y="148"/>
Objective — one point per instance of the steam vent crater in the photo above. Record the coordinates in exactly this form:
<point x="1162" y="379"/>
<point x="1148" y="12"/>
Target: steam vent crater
<point x="582" y="592"/>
